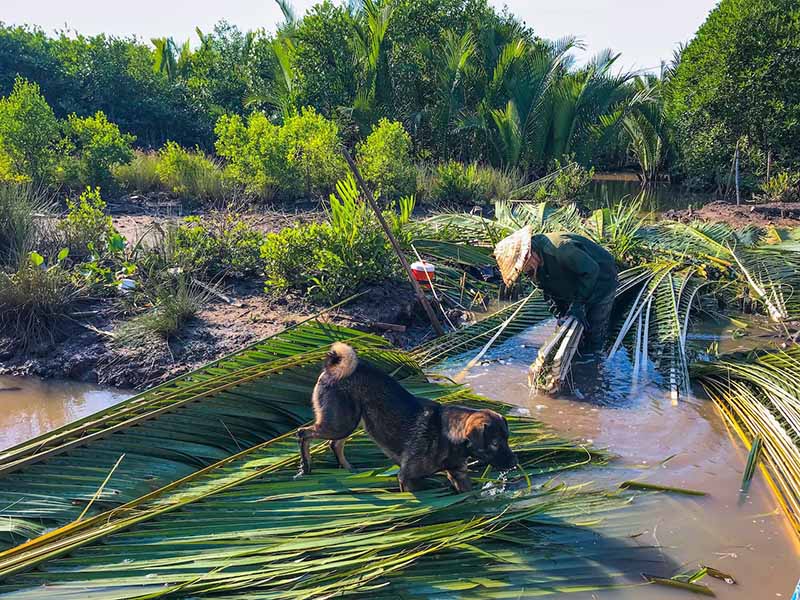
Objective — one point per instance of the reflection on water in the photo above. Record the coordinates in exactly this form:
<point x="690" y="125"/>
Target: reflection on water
<point x="686" y="445"/>
<point x="658" y="197"/>
<point x="31" y="406"/>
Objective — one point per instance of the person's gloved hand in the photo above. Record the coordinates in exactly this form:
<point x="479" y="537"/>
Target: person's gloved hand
<point x="578" y="311"/>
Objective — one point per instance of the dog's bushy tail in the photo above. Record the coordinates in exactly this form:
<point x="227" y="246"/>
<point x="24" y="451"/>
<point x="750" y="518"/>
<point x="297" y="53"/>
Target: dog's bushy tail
<point x="341" y="361"/>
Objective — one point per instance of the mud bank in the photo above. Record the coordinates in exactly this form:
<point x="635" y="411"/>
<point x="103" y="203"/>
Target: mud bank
<point x="85" y="351"/>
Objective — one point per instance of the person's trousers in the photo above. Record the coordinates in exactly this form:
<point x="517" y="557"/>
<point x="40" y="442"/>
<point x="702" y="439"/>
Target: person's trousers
<point x="598" y="317"/>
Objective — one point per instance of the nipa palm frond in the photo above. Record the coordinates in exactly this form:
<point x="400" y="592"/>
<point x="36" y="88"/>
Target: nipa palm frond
<point x="759" y="397"/>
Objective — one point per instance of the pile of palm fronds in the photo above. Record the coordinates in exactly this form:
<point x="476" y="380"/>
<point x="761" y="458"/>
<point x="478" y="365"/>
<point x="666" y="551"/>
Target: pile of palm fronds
<point x="759" y="396"/>
<point x="166" y="519"/>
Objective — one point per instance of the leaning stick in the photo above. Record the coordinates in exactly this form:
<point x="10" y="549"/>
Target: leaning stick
<point x="437" y="326"/>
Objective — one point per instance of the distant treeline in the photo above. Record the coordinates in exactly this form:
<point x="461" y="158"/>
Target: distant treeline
<point x="468" y="83"/>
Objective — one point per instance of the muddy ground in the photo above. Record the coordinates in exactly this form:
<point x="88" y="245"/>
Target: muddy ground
<point x="779" y="214"/>
<point x="85" y="349"/>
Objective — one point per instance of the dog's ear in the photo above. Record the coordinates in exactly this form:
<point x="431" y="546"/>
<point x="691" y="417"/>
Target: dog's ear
<point x="474" y="430"/>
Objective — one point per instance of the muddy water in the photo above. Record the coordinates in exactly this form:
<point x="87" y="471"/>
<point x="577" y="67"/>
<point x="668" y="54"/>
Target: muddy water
<point x="30" y="407"/>
<point x="681" y="446"/>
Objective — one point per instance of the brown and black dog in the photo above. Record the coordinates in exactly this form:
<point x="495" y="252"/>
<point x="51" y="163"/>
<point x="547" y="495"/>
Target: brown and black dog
<point x="422" y="436"/>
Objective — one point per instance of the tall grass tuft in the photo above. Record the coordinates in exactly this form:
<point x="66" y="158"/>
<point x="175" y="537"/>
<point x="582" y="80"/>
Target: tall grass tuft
<point x="190" y="173"/>
<point x="24" y="209"/>
<point x="139" y="175"/>
<point x="177" y="303"/>
<point x="36" y="300"/>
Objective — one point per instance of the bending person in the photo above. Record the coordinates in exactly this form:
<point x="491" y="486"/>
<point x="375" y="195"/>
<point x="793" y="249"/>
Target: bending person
<point x="577" y="276"/>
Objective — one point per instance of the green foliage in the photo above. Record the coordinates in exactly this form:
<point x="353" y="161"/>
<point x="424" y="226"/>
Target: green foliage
<point x="300" y="157"/>
<point x="23" y="209"/>
<point x="781" y="187"/>
<point x="140" y="174"/>
<point x="28" y="130"/>
<point x="219" y="244"/>
<point x="455" y="183"/>
<point x="740" y="76"/>
<point x="86" y="229"/>
<point x="175" y="304"/>
<point x="566" y="184"/>
<point x="385" y="160"/>
<point x="331" y="260"/>
<point x="190" y="174"/>
<point x="93" y="146"/>
<point x="36" y="299"/>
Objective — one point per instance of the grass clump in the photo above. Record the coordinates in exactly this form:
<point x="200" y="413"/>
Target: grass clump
<point x="454" y="183"/>
<point x="176" y="303"/>
<point x="36" y="299"/>
<point x="23" y="210"/>
<point x="190" y="174"/>
<point x="331" y="260"/>
<point x="219" y="244"/>
<point x="138" y="175"/>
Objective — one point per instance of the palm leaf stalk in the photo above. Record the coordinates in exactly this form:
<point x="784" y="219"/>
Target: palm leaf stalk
<point x="759" y="398"/>
<point x="550" y="370"/>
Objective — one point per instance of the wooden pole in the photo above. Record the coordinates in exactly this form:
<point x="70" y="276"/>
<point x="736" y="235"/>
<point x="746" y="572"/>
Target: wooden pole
<point x="769" y="163"/>
<point x="437" y="326"/>
<point x="736" y="178"/>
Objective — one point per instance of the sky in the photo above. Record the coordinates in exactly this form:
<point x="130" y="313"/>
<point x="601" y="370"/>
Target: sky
<point x="643" y="31"/>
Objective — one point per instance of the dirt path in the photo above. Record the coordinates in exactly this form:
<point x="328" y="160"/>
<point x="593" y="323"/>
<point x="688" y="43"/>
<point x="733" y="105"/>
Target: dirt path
<point x="779" y="214"/>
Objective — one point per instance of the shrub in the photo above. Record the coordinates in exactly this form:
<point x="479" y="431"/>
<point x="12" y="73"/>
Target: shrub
<point x="36" y="299"/>
<point x="330" y="260"/>
<point x="453" y="182"/>
<point x="568" y="183"/>
<point x="385" y="161"/>
<point x="86" y="229"/>
<point x="28" y="132"/>
<point x="781" y="187"/>
<point x="190" y="174"/>
<point x="93" y="145"/>
<point x="220" y="244"/>
<point x="300" y="157"/>
<point x="22" y="209"/>
<point x="140" y="174"/>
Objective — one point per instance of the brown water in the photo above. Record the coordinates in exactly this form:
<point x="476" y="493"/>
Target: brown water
<point x="744" y="535"/>
<point x="39" y="406"/>
<point x="658" y="197"/>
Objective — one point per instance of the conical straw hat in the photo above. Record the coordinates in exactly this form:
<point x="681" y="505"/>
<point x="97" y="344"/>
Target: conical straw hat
<point x="512" y="252"/>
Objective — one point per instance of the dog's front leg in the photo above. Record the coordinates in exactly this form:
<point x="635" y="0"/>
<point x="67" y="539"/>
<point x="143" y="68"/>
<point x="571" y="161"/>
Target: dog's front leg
<point x="460" y="480"/>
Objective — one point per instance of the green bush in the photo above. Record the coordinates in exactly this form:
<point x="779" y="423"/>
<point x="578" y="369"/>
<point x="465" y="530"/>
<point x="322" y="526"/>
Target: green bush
<point x="568" y="183"/>
<point x="299" y="158"/>
<point x="86" y="229"/>
<point x="781" y="187"/>
<point x="220" y="244"/>
<point x="36" y="299"/>
<point x="92" y="145"/>
<point x="140" y="174"/>
<point x="457" y="183"/>
<point x="29" y="132"/>
<point x="23" y="208"/>
<point x="385" y="160"/>
<point x="190" y="174"/>
<point x="331" y="260"/>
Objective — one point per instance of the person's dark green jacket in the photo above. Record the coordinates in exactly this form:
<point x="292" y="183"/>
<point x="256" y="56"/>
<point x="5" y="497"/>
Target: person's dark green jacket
<point x="574" y="269"/>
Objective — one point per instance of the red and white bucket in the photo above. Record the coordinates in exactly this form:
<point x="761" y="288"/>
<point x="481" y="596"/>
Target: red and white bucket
<point x="424" y="272"/>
